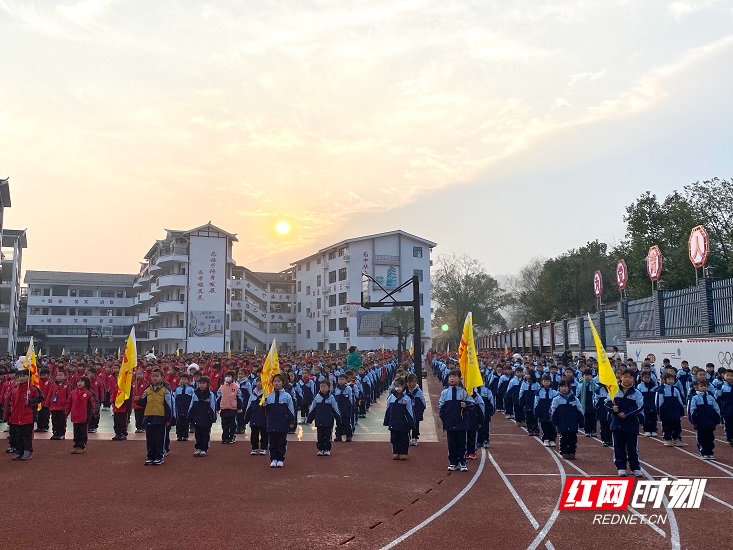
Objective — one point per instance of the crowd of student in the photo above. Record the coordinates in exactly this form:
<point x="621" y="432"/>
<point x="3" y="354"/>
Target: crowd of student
<point x="562" y="395"/>
<point x="176" y="393"/>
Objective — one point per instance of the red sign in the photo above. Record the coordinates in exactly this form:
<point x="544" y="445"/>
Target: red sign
<point x="598" y="283"/>
<point x="698" y="246"/>
<point x="622" y="275"/>
<point x="596" y="493"/>
<point x="654" y="263"/>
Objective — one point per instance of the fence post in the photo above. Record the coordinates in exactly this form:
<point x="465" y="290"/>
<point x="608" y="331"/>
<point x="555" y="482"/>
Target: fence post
<point x="581" y="334"/>
<point x="624" y="311"/>
<point x="602" y="326"/>
<point x="659" y="328"/>
<point x="705" y="294"/>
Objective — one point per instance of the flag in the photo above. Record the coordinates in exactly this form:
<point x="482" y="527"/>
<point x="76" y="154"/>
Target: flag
<point x="269" y="369"/>
<point x="606" y="376"/>
<point x="63" y="352"/>
<point x="119" y="353"/>
<point x="129" y="362"/>
<point x="411" y="348"/>
<point x="447" y="347"/>
<point x="201" y="351"/>
<point x="229" y="351"/>
<point x="178" y="352"/>
<point x="506" y="350"/>
<point x="32" y="366"/>
<point x="96" y="351"/>
<point x="467" y="359"/>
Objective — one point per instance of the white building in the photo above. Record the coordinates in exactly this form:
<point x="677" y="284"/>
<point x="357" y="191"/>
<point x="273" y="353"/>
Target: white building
<point x="13" y="242"/>
<point x="76" y="310"/>
<point x="327" y="281"/>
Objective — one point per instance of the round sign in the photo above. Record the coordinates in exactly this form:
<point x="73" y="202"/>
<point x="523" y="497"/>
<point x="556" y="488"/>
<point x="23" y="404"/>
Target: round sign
<point x="598" y="284"/>
<point x="654" y="263"/>
<point x="698" y="246"/>
<point x="622" y="275"/>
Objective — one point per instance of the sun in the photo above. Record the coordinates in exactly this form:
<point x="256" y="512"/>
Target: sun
<point x="282" y="227"/>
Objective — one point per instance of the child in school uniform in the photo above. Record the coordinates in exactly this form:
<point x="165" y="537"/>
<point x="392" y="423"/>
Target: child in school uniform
<point x="157" y="403"/>
<point x="512" y="396"/>
<point x="120" y="415"/>
<point x="139" y="385"/>
<point x="229" y="403"/>
<point x="704" y="414"/>
<point x="627" y="412"/>
<point x="567" y="416"/>
<point x="418" y="406"/>
<point x="670" y="409"/>
<point x="22" y="413"/>
<point x="587" y="394"/>
<point x="502" y="403"/>
<point x="57" y="398"/>
<point x="306" y="389"/>
<point x="487" y="397"/>
<point x="280" y="411"/>
<point x="542" y="403"/>
<point x="324" y="411"/>
<point x="602" y="414"/>
<point x="527" y="392"/>
<point x="725" y="401"/>
<point x="475" y="421"/>
<point x="45" y="383"/>
<point x="245" y="389"/>
<point x="343" y="395"/>
<point x="255" y="416"/>
<point x="201" y="414"/>
<point x="81" y="407"/>
<point x="453" y="402"/>
<point x="648" y="388"/>
<point x="182" y="396"/>
<point x="400" y="419"/>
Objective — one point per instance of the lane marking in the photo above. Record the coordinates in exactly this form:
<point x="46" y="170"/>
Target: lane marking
<point x="719" y="466"/>
<point x="516" y="496"/>
<point x="694" y="432"/>
<point x="711" y="497"/>
<point x="549" y="545"/>
<point x="444" y="509"/>
<point x="556" y="512"/>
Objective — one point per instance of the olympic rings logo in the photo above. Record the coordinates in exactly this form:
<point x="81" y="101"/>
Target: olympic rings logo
<point x="725" y="359"/>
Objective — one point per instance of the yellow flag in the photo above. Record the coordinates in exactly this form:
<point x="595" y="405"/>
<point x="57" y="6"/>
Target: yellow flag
<point x="63" y="352"/>
<point x="467" y="358"/>
<point x="129" y="362"/>
<point x="201" y="351"/>
<point x="269" y="369"/>
<point x="506" y="350"/>
<point x="447" y="347"/>
<point x="119" y="353"/>
<point x="412" y="350"/>
<point x="32" y="366"/>
<point x="229" y="351"/>
<point x="605" y="373"/>
<point x="178" y="352"/>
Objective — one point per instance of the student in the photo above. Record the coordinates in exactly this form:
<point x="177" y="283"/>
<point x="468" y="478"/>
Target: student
<point x="202" y="414"/>
<point x="453" y="402"/>
<point x="97" y="388"/>
<point x="627" y="412"/>
<point x="704" y="414"/>
<point x="586" y="394"/>
<point x="475" y="421"/>
<point x="139" y="385"/>
<point x="602" y="415"/>
<point x="501" y="395"/>
<point x="649" y="392"/>
<point x="120" y="415"/>
<point x="245" y="389"/>
<point x="527" y="392"/>
<point x="82" y="407"/>
<point x="56" y="401"/>
<point x="542" y="403"/>
<point x="23" y="403"/>
<point x="418" y="406"/>
<point x="512" y="395"/>
<point x="684" y="377"/>
<point x="567" y="415"/>
<point x="255" y="416"/>
<point x="45" y="383"/>
<point x="671" y="409"/>
<point x="280" y="411"/>
<point x="554" y="377"/>
<point x="487" y="396"/>
<point x="157" y="402"/>
<point x="400" y="419"/>
<point x="725" y="402"/>
<point x="343" y="394"/>
<point x="229" y="403"/>
<point x="182" y="396"/>
<point x="324" y="411"/>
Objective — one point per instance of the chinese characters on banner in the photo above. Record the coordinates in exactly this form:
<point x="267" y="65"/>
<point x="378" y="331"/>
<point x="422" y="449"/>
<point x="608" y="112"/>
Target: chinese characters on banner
<point x="207" y="294"/>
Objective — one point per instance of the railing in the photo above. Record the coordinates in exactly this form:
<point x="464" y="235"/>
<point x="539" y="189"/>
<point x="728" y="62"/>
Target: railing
<point x="386" y="258"/>
<point x="722" y="302"/>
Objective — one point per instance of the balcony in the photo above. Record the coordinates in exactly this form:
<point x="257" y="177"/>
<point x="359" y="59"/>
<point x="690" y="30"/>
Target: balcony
<point x="143" y="297"/>
<point x="82" y="321"/>
<point x="171" y="306"/>
<point x="154" y="287"/>
<point x="171" y="255"/>
<point x="75" y="301"/>
<point x="143" y="317"/>
<point x="169" y="333"/>
<point x="235" y="283"/>
<point x="384" y="259"/>
<point x="165" y="281"/>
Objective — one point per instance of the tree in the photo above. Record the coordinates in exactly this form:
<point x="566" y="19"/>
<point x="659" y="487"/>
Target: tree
<point x="712" y="202"/>
<point x="461" y="284"/>
<point x="521" y="286"/>
<point x="401" y="317"/>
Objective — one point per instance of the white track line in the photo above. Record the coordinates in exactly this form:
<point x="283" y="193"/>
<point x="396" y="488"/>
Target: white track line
<point x="549" y="545"/>
<point x="556" y="511"/>
<point x="711" y="497"/>
<point x="444" y="509"/>
<point x="694" y="432"/>
<point x="698" y="457"/>
<point x="519" y="500"/>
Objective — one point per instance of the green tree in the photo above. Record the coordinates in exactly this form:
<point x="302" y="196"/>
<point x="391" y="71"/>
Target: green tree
<point x="402" y="317"/>
<point x="461" y="284"/>
<point x="712" y="202"/>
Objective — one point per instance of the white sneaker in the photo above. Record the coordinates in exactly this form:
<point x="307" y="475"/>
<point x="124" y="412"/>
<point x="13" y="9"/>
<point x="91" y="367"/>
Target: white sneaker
<point x="273" y="464"/>
<point x="263" y="452"/>
<point x="203" y="453"/>
<point x="552" y="443"/>
<point x="464" y="468"/>
<point x="197" y="452"/>
<point x="622" y="473"/>
<point x="280" y="464"/>
<point x="638" y="473"/>
<point x="545" y="443"/>
<point x="321" y="453"/>
<point x="669" y="443"/>
<point x="413" y="442"/>
<point x="654" y="434"/>
<point x="327" y="453"/>
<point x="453" y="468"/>
<point x="678" y="443"/>
<point x="254" y="452"/>
<point x="648" y="434"/>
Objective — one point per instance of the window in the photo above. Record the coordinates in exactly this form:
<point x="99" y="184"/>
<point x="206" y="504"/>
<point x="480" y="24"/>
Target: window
<point x="318" y="260"/>
<point x="342" y="274"/>
<point x="85" y="312"/>
<point x="417" y="251"/>
<point x="318" y="280"/>
<point x="342" y="298"/>
<point x="307" y="333"/>
<point x="418" y="272"/>
<point x="300" y="286"/>
<point x="307" y="312"/>
<point x="342" y="323"/>
<point x="332" y="347"/>
<point x="47" y="292"/>
<point x="332" y="276"/>
<point x="332" y="325"/>
<point x="308" y="291"/>
<point x="299" y="304"/>
<point x="107" y="294"/>
<point x="72" y="311"/>
<point x="332" y="255"/>
<point x="300" y="267"/>
<point x="342" y="251"/>
<point x="72" y="292"/>
<point x="299" y="328"/>
<point x="318" y="326"/>
<point x="86" y="293"/>
<point x="308" y="266"/>
<point x="318" y="303"/>
<point x="236" y="315"/>
<point x="120" y="294"/>
<point x="332" y="300"/>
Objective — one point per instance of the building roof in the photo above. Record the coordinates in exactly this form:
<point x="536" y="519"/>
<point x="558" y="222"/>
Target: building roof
<point x="10" y="235"/>
<point x="430" y="244"/>
<point x="174" y="233"/>
<point x="4" y="192"/>
<point x="77" y="278"/>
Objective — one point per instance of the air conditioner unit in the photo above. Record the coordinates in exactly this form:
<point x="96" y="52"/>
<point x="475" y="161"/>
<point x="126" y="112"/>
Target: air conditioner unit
<point x="347" y="258"/>
<point x="346" y="333"/>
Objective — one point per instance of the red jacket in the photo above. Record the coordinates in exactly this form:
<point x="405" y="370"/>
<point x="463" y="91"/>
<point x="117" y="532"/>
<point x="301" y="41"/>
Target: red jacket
<point x="46" y="385"/>
<point x="97" y="386"/>
<point x="215" y="377"/>
<point x="81" y="405"/>
<point x="138" y="389"/>
<point x="58" y="396"/>
<point x="172" y="380"/>
<point x="20" y="412"/>
<point x="113" y="397"/>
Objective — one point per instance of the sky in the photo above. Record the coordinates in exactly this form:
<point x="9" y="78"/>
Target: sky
<point x="504" y="130"/>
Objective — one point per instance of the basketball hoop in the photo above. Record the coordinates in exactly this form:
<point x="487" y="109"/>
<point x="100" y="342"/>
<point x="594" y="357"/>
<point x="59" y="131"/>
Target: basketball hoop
<point x="352" y="308"/>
